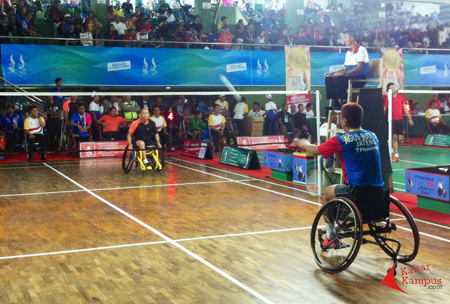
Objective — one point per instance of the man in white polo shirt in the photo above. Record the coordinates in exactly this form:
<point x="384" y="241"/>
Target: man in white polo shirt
<point x="434" y="119"/>
<point x="240" y="111"/>
<point x="34" y="127"/>
<point x="216" y="124"/>
<point x="356" y="66"/>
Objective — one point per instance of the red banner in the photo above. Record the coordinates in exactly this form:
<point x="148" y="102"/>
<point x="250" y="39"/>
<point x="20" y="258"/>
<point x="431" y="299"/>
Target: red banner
<point x="262" y="142"/>
<point x="298" y="99"/>
<point x="89" y="149"/>
<point x="195" y="148"/>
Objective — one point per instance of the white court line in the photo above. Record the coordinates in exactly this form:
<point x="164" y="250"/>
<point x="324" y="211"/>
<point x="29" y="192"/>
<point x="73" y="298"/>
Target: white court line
<point x="401" y="190"/>
<point x="248" y="185"/>
<point x="426" y="234"/>
<point x="150" y="243"/>
<point x="79" y="250"/>
<point x="169" y="240"/>
<point x="430" y="223"/>
<point x="419" y="163"/>
<point x="118" y="188"/>
<point x="399" y="183"/>
<point x="255" y="179"/>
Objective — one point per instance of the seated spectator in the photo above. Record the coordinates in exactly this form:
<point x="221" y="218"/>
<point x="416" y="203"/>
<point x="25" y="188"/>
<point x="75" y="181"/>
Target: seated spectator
<point x="226" y="37"/>
<point x="196" y="126"/>
<point x="110" y="123"/>
<point x="65" y="25"/>
<point x="2" y="147"/>
<point x="180" y="32"/>
<point x="142" y="37"/>
<point x="111" y="34"/>
<point x="434" y="119"/>
<point x="131" y="23"/>
<point x="161" y="125"/>
<point x="34" y="127"/>
<point x="301" y="123"/>
<point x="417" y="110"/>
<point x="249" y="34"/>
<point x="106" y="105"/>
<point x="130" y="36"/>
<point x="196" y="25"/>
<point x="223" y="22"/>
<point x="159" y="103"/>
<point x="118" y="11"/>
<point x="6" y="28"/>
<point x="146" y="24"/>
<point x="110" y="13"/>
<point x="436" y="98"/>
<point x="96" y="28"/>
<point x="20" y="17"/>
<point x="12" y="124"/>
<point x="95" y="109"/>
<point x="130" y="108"/>
<point x="286" y="122"/>
<point x="309" y="110"/>
<point x="119" y="26"/>
<point x="267" y="22"/>
<point x="53" y="109"/>
<point x="72" y="33"/>
<point x="216" y="124"/>
<point x="256" y="110"/>
<point x="81" y="122"/>
<point x="261" y="40"/>
<point x="192" y="36"/>
<point x="445" y="106"/>
<point x="154" y="36"/>
<point x="28" y="27"/>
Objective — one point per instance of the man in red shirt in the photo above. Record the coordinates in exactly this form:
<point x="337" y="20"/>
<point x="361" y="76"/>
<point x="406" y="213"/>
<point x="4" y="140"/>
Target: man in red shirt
<point x="398" y="108"/>
<point x="110" y="124"/>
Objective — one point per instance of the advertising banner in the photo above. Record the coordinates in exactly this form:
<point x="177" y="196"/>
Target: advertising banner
<point x="427" y="70"/>
<point x="434" y="184"/>
<point x="393" y="69"/>
<point x="298" y="73"/>
<point x="262" y="142"/>
<point x="277" y="160"/>
<point x="90" y="147"/>
<point x="241" y="158"/>
<point x="115" y="66"/>
<point x="197" y="149"/>
<point x="303" y="166"/>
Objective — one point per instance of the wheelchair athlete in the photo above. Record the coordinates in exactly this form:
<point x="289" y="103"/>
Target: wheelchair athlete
<point x="145" y="134"/>
<point x="361" y="164"/>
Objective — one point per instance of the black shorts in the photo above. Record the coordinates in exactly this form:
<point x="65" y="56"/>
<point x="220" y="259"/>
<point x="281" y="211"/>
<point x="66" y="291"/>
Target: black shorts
<point x="398" y="127"/>
<point x="372" y="202"/>
<point x="149" y="141"/>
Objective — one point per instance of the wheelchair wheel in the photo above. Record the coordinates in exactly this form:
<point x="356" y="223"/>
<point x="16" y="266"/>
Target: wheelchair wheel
<point x="161" y="159"/>
<point x="402" y="228"/>
<point x="344" y="221"/>
<point x="127" y="160"/>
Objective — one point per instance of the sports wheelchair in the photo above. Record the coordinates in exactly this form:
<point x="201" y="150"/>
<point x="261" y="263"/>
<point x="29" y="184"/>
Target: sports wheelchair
<point x="390" y="226"/>
<point x="155" y="157"/>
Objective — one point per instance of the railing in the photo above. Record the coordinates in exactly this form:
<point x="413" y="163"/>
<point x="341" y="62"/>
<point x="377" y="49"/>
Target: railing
<point x="195" y="45"/>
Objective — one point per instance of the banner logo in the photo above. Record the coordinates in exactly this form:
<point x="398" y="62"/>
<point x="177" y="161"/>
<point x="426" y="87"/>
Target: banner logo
<point x="119" y="66"/>
<point x="406" y="272"/>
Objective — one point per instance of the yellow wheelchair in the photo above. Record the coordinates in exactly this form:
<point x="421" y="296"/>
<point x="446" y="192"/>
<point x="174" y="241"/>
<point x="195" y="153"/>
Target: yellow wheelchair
<point x="155" y="157"/>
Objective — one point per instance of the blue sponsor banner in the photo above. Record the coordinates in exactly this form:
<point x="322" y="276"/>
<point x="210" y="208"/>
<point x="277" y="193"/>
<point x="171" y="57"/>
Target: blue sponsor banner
<point x="427" y="70"/>
<point x="427" y="184"/>
<point x="278" y="161"/>
<point x="302" y="169"/>
<point x="115" y="66"/>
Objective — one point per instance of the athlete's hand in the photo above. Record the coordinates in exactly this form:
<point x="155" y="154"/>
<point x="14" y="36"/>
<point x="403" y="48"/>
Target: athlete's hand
<point x="159" y="145"/>
<point x="411" y="122"/>
<point x="130" y="146"/>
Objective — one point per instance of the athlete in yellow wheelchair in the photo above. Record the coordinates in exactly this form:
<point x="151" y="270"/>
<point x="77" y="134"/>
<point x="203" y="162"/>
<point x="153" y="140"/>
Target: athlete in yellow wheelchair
<point x="144" y="148"/>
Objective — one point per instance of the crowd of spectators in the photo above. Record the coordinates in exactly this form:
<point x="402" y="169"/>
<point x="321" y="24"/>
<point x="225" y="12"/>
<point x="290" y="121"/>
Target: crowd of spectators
<point x="151" y="23"/>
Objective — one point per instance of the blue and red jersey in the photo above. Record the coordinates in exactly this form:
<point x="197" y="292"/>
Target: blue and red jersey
<point x="360" y="157"/>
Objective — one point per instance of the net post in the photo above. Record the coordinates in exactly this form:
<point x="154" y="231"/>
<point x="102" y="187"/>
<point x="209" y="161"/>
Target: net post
<point x="319" y="167"/>
<point x="390" y="123"/>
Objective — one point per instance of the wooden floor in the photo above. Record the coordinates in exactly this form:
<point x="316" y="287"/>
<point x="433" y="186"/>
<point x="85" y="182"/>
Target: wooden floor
<point x="82" y="232"/>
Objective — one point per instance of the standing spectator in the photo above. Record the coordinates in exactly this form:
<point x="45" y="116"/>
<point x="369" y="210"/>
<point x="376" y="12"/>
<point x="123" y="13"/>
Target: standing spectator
<point x="196" y="126"/>
<point x="256" y="110"/>
<point x="216" y="124"/>
<point x="240" y="111"/>
<point x="398" y="108"/>
<point x="119" y="26"/>
<point x="434" y="119"/>
<point x="226" y="37"/>
<point x="96" y="110"/>
<point x="223" y="104"/>
<point x="267" y="22"/>
<point x="127" y="8"/>
<point x="223" y="22"/>
<point x="81" y="123"/>
<point x="106" y="105"/>
<point x="58" y="88"/>
<point x="145" y="103"/>
<point x="34" y="127"/>
<point x="70" y="108"/>
<point x="309" y="110"/>
<point x="270" y="125"/>
<point x="13" y="125"/>
<point x="53" y="110"/>
<point x="130" y="108"/>
<point x="110" y="123"/>
<point x="161" y="125"/>
<point x="196" y="25"/>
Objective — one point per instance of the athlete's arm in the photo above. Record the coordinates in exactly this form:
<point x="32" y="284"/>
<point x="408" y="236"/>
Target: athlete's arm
<point x="307" y="146"/>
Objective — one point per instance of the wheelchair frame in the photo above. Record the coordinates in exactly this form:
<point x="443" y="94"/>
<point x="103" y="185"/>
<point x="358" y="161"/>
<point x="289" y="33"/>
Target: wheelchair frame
<point x="155" y="157"/>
